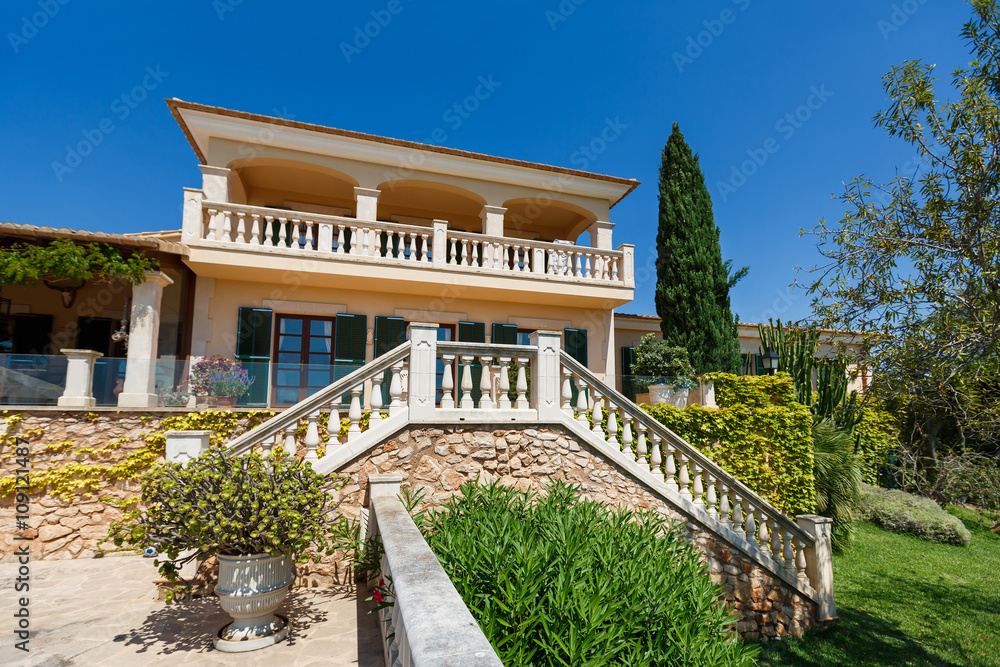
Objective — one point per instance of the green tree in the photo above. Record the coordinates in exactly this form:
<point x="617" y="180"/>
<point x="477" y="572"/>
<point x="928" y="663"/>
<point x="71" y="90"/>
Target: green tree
<point x="26" y="263"/>
<point x="914" y="264"/>
<point x="692" y="281"/>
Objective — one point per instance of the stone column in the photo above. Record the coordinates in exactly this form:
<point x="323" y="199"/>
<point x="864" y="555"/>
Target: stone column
<point x="423" y="366"/>
<point x="627" y="269"/>
<point x="819" y="563"/>
<point x="193" y="225"/>
<point x="143" y="340"/>
<point x="546" y="374"/>
<point x="79" y="379"/>
<point x="439" y="247"/>
<point x="182" y="446"/>
<point x="215" y="183"/>
<point x="600" y="235"/>
<point x="493" y="220"/>
<point x="367" y="200"/>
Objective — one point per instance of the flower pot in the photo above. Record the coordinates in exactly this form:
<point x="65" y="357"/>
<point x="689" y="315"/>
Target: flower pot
<point x="679" y="399"/>
<point x="207" y="401"/>
<point x="642" y="398"/>
<point x="660" y="393"/>
<point x="225" y="401"/>
<point x="250" y="589"/>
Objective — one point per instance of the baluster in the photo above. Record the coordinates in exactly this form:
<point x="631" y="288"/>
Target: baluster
<point x="414" y="242"/>
<point x="613" y="424"/>
<point x="670" y="470"/>
<point x="738" y="514"/>
<point x="641" y="448"/>
<point x="751" y="526"/>
<point x="267" y="446"/>
<point x="340" y="239"/>
<point x="683" y="480"/>
<point x="522" y="383"/>
<point x="451" y="252"/>
<point x="241" y="227"/>
<point x="697" y="484"/>
<point x="597" y="416"/>
<point x="489" y="254"/>
<point x="723" y="502"/>
<point x="656" y="455"/>
<point x="282" y="233"/>
<point x="466" y="401"/>
<point x="776" y="549"/>
<point x="788" y="555"/>
<point x="354" y="413"/>
<point x="581" y="400"/>
<point x="506" y="263"/>
<point x="710" y="494"/>
<point x="309" y="234"/>
<point x="376" y="398"/>
<point x="486" y="384"/>
<point x="579" y="265"/>
<point x="567" y="391"/>
<point x="227" y="226"/>
<point x="295" y="234"/>
<point x="466" y="248"/>
<point x="212" y="223"/>
<point x="603" y="266"/>
<point x="447" y="384"/>
<point x="312" y="436"/>
<point x="614" y="269"/>
<point x="762" y="539"/>
<point x="333" y="426"/>
<point x="255" y="229"/>
<point x="800" y="561"/>
<point x="503" y="400"/>
<point x="589" y="266"/>
<point x="367" y="247"/>
<point x="396" y="389"/>
<point x="627" y="436"/>
<point x="289" y="447"/>
<point x="268" y="230"/>
<point x="356" y="241"/>
<point x="425" y="248"/>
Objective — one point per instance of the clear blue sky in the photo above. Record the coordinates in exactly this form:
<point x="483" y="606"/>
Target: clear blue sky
<point x="562" y="71"/>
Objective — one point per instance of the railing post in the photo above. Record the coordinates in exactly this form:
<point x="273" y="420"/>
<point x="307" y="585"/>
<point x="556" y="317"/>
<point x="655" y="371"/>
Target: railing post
<point x="600" y="234"/>
<point x="367" y="200"/>
<point x="439" y="247"/>
<point x="384" y="485"/>
<point x="193" y="225"/>
<point x="182" y="446"/>
<point x="492" y="217"/>
<point x="546" y="374"/>
<point x="538" y="261"/>
<point x="79" y="379"/>
<point x="819" y="563"/>
<point x="423" y="359"/>
<point x="627" y="275"/>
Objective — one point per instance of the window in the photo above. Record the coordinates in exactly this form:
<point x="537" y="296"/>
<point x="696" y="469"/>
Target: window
<point x="313" y="352"/>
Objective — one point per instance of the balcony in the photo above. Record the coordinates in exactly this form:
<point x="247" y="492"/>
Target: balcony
<point x="239" y="241"/>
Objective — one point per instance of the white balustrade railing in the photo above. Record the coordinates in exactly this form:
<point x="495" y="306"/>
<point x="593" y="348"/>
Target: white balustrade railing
<point x="283" y="427"/>
<point x="503" y="372"/>
<point x="685" y="470"/>
<point x="261" y="228"/>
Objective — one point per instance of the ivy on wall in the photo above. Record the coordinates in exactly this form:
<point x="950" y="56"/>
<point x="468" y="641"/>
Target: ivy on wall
<point x="877" y="434"/>
<point x="759" y="434"/>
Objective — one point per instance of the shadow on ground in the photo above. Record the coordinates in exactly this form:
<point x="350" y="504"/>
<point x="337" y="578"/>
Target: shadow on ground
<point x="858" y="638"/>
<point x="191" y="625"/>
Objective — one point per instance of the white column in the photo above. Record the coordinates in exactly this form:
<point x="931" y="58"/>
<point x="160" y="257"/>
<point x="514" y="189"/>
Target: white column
<point x="367" y="200"/>
<point x="600" y="235"/>
<point x="421" y="380"/>
<point x="143" y="340"/>
<point x="215" y="183"/>
<point x="819" y="563"/>
<point x="439" y="247"/>
<point x="546" y="375"/>
<point x="182" y="446"/>
<point x="627" y="269"/>
<point x="79" y="379"/>
<point x="193" y="225"/>
<point x="493" y="220"/>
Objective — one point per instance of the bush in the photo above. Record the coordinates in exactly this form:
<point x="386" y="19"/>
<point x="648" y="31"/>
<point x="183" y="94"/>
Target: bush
<point x="959" y="477"/>
<point x="658" y="358"/>
<point x="877" y="434"/>
<point x="903" y="512"/>
<point x="564" y="581"/>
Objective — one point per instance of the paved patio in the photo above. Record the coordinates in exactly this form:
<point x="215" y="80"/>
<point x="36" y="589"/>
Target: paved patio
<point x="104" y="612"/>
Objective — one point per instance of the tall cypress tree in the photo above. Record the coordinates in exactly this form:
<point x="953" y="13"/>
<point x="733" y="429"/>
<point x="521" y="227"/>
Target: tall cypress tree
<point x="692" y="281"/>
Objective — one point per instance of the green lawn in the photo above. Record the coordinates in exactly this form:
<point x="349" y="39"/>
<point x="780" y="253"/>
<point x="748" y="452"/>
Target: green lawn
<point x="904" y="601"/>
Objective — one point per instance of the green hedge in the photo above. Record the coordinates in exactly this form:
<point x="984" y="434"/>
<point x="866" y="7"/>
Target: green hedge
<point x="903" y="512"/>
<point x="878" y="434"/>
<point x="759" y="434"/>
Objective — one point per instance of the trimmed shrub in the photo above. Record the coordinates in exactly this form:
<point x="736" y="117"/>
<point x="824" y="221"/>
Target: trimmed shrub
<point x="559" y="580"/>
<point x="877" y="434"/>
<point x="759" y="434"/>
<point x="903" y="512"/>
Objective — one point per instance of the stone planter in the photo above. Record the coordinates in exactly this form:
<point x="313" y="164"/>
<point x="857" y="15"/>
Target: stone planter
<point x="225" y="401"/>
<point x="250" y="589"/>
<point x="665" y="393"/>
<point x="642" y="398"/>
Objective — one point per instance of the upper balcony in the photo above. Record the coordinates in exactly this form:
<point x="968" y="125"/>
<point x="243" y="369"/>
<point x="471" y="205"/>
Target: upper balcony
<point x="347" y="209"/>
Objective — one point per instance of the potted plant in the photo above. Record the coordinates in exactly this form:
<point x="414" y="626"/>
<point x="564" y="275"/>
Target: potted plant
<point x="662" y="368"/>
<point x="229" y="384"/>
<point x="201" y="379"/>
<point x="258" y="515"/>
<point x="174" y="397"/>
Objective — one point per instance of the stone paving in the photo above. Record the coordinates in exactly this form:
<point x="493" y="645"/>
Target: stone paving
<point x="104" y="612"/>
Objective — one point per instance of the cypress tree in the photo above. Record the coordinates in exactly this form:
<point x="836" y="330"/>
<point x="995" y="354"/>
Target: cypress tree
<point x="692" y="281"/>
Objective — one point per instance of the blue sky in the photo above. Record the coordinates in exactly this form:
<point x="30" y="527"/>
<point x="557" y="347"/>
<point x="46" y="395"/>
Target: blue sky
<point x="729" y="71"/>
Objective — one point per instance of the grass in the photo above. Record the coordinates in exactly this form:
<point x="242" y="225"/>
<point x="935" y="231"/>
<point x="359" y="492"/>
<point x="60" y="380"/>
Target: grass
<point x="903" y="601"/>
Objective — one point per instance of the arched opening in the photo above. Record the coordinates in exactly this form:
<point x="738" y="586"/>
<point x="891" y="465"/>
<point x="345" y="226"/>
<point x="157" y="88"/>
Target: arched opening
<point x="417" y="202"/>
<point x="289" y="184"/>
<point x="545" y="219"/>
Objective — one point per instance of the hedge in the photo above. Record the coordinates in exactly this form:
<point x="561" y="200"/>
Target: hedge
<point x="759" y="434"/>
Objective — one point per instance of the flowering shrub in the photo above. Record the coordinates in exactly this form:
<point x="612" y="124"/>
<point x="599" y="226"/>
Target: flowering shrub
<point x="201" y="371"/>
<point x="232" y="382"/>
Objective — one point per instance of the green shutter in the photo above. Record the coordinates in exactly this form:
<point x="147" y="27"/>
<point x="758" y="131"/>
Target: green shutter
<point x="253" y="350"/>
<point x="628" y="358"/>
<point x="390" y="332"/>
<point x="349" y="347"/>
<point x="576" y="347"/>
<point x="472" y="332"/>
<point x="505" y="334"/>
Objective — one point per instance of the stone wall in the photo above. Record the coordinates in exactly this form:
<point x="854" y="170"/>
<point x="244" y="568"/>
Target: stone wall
<point x="69" y="528"/>
<point x="439" y="460"/>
